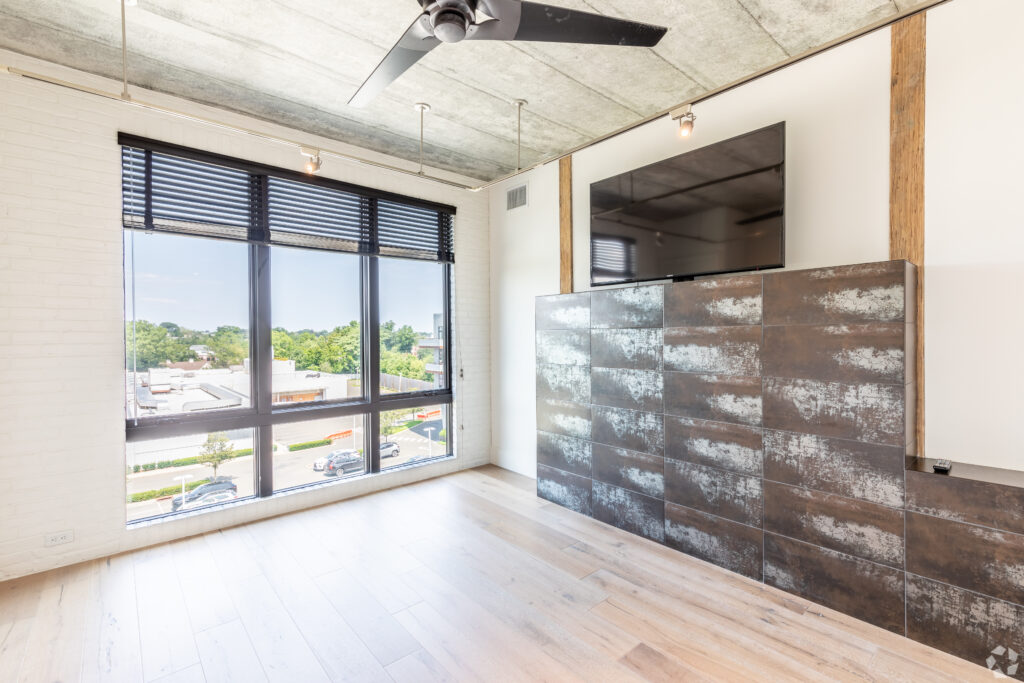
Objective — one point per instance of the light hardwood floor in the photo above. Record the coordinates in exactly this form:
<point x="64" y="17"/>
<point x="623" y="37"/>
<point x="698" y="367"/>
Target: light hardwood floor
<point x="466" y="577"/>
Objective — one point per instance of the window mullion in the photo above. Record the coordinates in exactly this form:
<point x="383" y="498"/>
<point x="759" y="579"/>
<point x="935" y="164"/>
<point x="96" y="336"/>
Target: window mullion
<point x="262" y="352"/>
<point x="371" y="316"/>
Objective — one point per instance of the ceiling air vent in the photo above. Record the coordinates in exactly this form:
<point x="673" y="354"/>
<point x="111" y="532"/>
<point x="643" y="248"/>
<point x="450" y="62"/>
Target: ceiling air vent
<point x="516" y="197"/>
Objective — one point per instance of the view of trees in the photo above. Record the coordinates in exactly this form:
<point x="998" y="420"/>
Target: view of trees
<point x="216" y="450"/>
<point x="334" y="351"/>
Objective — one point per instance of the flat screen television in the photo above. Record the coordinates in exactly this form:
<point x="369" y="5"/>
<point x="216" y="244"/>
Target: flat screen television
<point x="717" y="209"/>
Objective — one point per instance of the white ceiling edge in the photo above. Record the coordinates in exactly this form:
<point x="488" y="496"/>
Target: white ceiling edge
<point x="232" y="119"/>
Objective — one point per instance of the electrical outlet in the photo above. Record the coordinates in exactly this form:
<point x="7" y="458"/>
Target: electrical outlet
<point x="59" y="538"/>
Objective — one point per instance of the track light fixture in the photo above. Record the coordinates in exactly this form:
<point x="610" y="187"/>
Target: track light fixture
<point x="686" y="117"/>
<point x="313" y="162"/>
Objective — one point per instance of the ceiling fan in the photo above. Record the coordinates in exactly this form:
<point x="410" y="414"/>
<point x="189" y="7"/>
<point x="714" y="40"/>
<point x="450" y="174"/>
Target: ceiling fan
<point x="452" y="21"/>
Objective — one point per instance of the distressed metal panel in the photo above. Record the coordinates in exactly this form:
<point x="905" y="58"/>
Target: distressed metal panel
<point x="973" y="557"/>
<point x="630" y="470"/>
<point x="638" y="349"/>
<point x="734" y="546"/>
<point x="971" y="626"/>
<point x="563" y="312"/>
<point x="966" y="500"/>
<point x="566" y="489"/>
<point x="563" y="347"/>
<point x="713" y="397"/>
<point x="564" y="453"/>
<point x="863" y="412"/>
<point x="629" y="429"/>
<point x="869" y="472"/>
<point x="870" y="352"/>
<point x="870" y="292"/>
<point x="714" y="301"/>
<point x="564" y="417"/>
<point x="733" y="447"/>
<point x="628" y="307"/>
<point x="630" y="511"/>
<point x="717" y="492"/>
<point x="865" y="590"/>
<point x="622" y="388"/>
<point x="564" y="382"/>
<point x="714" y="350"/>
<point x="855" y="527"/>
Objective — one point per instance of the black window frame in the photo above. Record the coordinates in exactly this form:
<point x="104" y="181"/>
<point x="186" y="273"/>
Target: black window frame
<point x="262" y="414"/>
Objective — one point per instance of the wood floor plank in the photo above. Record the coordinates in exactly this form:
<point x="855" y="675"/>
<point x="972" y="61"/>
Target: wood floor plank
<point x="227" y="655"/>
<point x="462" y="578"/>
<point x="419" y="667"/>
<point x="165" y="632"/>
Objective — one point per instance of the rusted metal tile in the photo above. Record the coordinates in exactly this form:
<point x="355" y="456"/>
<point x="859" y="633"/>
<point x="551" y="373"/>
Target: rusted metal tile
<point x="717" y="492"/>
<point x="713" y="397"/>
<point x="974" y="627"/>
<point x="871" y="292"/>
<point x="622" y="388"/>
<point x="563" y="347"/>
<point x="628" y="307"/>
<point x="973" y="557"/>
<point x="865" y="590"/>
<point x="564" y="417"/>
<point x="564" y="312"/>
<point x="736" y="547"/>
<point x="564" y="382"/>
<point x="714" y="301"/>
<point x="630" y="511"/>
<point x="869" y="472"/>
<point x="863" y="412"/>
<point x="966" y="500"/>
<point x="714" y="350"/>
<point x="871" y="352"/>
<point x="855" y="527"/>
<point x="629" y="429"/>
<point x="564" y="453"/>
<point x="637" y="349"/>
<point x="626" y="469"/>
<point x="733" y="447"/>
<point x="566" y="489"/>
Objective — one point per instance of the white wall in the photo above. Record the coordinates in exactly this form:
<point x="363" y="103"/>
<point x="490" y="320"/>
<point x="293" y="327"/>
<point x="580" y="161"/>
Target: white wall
<point x="62" y="432"/>
<point x="836" y="108"/>
<point x="974" y="233"/>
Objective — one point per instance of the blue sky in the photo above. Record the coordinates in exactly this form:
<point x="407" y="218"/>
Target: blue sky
<point x="203" y="283"/>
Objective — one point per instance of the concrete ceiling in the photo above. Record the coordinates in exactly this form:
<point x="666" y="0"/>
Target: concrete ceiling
<point x="297" y="62"/>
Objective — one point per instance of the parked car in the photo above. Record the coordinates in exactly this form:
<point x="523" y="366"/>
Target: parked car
<point x="212" y="498"/>
<point x="217" y="484"/>
<point x="343" y="462"/>
<point x="389" y="450"/>
<point x="318" y="464"/>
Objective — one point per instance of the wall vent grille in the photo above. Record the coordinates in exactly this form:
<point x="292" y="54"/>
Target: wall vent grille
<point x="516" y="197"/>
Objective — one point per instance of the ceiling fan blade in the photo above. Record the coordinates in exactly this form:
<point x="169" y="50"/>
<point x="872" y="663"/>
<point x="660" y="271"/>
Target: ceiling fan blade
<point x="411" y="47"/>
<point x="534" y="21"/>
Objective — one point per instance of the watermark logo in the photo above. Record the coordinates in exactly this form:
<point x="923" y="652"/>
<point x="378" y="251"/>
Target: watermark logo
<point x="1003" y="661"/>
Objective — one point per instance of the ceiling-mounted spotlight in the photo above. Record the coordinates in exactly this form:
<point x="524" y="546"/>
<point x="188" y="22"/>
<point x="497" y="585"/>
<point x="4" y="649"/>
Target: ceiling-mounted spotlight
<point x="313" y="162"/>
<point x="686" y="117"/>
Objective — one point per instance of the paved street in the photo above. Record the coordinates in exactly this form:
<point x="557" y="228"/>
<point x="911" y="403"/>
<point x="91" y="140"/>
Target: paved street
<point x="290" y="468"/>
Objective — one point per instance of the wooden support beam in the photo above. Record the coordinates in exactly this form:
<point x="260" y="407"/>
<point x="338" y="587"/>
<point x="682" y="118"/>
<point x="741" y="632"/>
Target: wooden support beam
<point x="906" y="172"/>
<point x="565" y="222"/>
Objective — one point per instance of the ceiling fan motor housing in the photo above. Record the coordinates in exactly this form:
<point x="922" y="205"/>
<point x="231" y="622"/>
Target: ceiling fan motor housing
<point x="450" y="19"/>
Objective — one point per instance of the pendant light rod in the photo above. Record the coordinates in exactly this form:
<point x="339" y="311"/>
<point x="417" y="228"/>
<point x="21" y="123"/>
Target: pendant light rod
<point x="124" y="54"/>
<point x="519" y="133"/>
<point x="422" y="108"/>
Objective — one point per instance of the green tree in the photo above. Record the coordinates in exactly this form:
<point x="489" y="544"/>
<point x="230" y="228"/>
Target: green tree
<point x="403" y="339"/>
<point x="216" y="450"/>
<point x="392" y="421"/>
<point x="404" y="365"/>
<point x="150" y="346"/>
<point x="230" y="345"/>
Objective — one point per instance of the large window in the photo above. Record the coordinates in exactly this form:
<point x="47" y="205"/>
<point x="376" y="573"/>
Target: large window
<point x="280" y="330"/>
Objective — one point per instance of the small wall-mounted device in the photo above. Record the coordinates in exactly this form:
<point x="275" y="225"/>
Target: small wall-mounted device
<point x="942" y="466"/>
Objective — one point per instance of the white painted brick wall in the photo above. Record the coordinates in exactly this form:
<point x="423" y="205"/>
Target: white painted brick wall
<point x="61" y="314"/>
